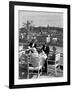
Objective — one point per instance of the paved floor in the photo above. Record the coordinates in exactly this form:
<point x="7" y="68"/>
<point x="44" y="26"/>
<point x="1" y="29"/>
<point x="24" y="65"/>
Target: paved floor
<point x="51" y="73"/>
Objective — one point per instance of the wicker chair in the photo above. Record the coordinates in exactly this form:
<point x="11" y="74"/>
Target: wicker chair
<point x="53" y="62"/>
<point x="35" y="64"/>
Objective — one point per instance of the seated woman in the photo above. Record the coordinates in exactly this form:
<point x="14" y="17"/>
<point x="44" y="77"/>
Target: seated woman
<point x="34" y="52"/>
<point x="38" y="57"/>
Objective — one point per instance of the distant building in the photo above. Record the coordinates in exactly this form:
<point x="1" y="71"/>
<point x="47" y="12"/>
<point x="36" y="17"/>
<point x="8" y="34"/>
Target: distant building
<point x="54" y="39"/>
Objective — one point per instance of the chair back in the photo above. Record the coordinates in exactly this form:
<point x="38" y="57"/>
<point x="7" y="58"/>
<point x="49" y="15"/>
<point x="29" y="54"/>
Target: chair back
<point x="57" y="57"/>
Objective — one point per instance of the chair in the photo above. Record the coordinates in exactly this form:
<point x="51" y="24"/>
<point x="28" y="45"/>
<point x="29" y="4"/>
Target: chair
<point x="34" y="64"/>
<point x="53" y="62"/>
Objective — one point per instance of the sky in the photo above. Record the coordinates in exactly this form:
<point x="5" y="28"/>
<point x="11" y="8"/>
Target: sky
<point x="41" y="18"/>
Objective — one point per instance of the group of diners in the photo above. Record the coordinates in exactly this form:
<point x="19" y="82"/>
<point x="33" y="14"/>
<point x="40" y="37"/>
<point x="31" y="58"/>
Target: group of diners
<point x="43" y="49"/>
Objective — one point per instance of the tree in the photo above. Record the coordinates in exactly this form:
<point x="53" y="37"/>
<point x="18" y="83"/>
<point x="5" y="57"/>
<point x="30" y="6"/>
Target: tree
<point x="29" y="27"/>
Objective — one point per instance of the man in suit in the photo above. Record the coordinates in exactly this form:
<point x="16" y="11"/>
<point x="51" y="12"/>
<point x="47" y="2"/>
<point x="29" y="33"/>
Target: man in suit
<point x="46" y="50"/>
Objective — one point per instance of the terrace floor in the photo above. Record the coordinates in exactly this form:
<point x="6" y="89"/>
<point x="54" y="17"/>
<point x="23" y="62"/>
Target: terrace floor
<point x="23" y="69"/>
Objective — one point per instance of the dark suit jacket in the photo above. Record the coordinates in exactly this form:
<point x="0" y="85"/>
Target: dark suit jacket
<point x="46" y="50"/>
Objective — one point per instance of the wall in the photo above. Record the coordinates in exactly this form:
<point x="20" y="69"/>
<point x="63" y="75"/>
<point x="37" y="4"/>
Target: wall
<point x="4" y="43"/>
